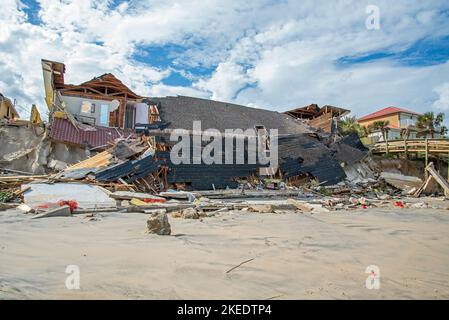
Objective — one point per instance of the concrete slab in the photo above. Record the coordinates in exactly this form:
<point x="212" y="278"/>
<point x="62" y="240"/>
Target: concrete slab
<point x="87" y="196"/>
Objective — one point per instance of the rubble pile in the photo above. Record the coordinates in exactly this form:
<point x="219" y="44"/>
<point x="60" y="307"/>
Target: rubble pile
<point x="132" y="175"/>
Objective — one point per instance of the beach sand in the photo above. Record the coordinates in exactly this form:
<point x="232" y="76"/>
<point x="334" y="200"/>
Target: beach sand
<point x="294" y="256"/>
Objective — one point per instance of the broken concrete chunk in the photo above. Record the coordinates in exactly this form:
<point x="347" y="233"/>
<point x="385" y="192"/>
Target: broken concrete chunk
<point x="176" y="214"/>
<point x="57" y="165"/>
<point x="261" y="208"/>
<point x="307" y="207"/>
<point x="158" y="223"/>
<point x="318" y="208"/>
<point x="383" y="197"/>
<point x="420" y="205"/>
<point x="124" y="203"/>
<point x="63" y="211"/>
<point x="190" y="213"/>
<point x="301" y="205"/>
<point x="400" y="181"/>
<point x="25" y="208"/>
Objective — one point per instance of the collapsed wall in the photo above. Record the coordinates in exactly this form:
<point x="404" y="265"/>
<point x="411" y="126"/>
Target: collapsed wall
<point x="28" y="148"/>
<point x="24" y="148"/>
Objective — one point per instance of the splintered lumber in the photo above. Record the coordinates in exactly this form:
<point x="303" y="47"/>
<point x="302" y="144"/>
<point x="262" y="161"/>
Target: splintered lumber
<point x="438" y="178"/>
<point x="423" y="187"/>
<point x="99" y="160"/>
<point x="20" y="192"/>
<point x="129" y="187"/>
<point x="9" y="178"/>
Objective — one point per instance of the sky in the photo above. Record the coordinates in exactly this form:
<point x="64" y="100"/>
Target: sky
<point x="276" y="55"/>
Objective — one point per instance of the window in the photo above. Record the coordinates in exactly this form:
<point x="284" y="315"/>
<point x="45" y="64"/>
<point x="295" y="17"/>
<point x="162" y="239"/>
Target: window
<point x="104" y="114"/>
<point x="407" y="120"/>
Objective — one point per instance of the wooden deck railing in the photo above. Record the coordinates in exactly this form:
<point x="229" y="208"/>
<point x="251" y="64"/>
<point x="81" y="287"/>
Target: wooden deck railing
<point x="412" y="145"/>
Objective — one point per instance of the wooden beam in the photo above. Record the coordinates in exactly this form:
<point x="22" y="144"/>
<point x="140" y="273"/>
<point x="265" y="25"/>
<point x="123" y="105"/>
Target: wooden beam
<point x="438" y="178"/>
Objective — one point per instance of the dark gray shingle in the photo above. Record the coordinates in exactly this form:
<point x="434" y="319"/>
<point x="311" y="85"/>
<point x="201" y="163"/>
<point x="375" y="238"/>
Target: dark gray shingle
<point x="180" y="112"/>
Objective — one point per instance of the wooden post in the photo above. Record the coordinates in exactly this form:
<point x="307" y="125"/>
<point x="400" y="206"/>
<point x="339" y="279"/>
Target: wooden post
<point x="386" y="143"/>
<point x="405" y="148"/>
<point x="427" y="158"/>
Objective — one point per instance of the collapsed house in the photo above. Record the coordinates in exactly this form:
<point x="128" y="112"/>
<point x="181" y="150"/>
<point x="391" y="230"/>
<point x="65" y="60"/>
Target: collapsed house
<point x="96" y="114"/>
<point x="301" y="153"/>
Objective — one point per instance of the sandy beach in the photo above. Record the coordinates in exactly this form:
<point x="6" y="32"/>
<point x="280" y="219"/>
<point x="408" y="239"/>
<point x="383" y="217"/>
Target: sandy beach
<point x="294" y="256"/>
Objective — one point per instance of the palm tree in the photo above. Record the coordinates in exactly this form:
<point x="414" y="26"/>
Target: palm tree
<point x="348" y="125"/>
<point x="439" y="119"/>
<point x="428" y="122"/>
<point x="405" y="132"/>
<point x="382" y="126"/>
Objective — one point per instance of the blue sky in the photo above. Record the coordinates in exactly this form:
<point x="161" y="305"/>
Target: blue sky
<point x="267" y="54"/>
<point x="423" y="52"/>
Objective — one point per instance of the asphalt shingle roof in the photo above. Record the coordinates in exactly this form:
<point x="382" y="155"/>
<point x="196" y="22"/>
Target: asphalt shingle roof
<point x="180" y="112"/>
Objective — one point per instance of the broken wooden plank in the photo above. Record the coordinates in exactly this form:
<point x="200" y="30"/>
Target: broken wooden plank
<point x="438" y="178"/>
<point x="167" y="206"/>
<point x="21" y="177"/>
<point x="422" y="187"/>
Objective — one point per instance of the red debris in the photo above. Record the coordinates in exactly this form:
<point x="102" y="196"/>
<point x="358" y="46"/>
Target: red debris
<point x="399" y="204"/>
<point x="71" y="203"/>
<point x="149" y="200"/>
